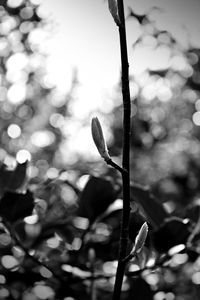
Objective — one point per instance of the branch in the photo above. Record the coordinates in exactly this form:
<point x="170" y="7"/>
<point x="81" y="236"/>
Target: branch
<point x="126" y="154"/>
<point x="115" y="166"/>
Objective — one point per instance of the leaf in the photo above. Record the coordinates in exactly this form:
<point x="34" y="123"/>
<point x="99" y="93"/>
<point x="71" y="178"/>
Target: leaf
<point x="28" y="278"/>
<point x="12" y="179"/>
<point x="113" y="8"/>
<point x="192" y="212"/>
<point x="16" y="206"/>
<point x="140" y="239"/>
<point x="152" y="209"/>
<point x="95" y="198"/>
<point x="17" y="177"/>
<point x="172" y="232"/>
<point x="140" y="290"/>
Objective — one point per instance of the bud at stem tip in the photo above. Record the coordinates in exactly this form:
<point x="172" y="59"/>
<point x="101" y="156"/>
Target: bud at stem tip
<point x="140" y="239"/>
<point x="98" y="138"/>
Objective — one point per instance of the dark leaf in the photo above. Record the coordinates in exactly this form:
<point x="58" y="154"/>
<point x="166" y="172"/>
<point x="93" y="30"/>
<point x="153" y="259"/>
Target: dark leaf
<point x="192" y="255"/>
<point x="15" y="206"/>
<point x="160" y="72"/>
<point x="17" y="177"/>
<point x="192" y="212"/>
<point x="97" y="195"/>
<point x="149" y="205"/>
<point x="28" y="278"/>
<point x="172" y="232"/>
<point x="12" y="179"/>
<point x="141" y="18"/>
<point x="140" y="290"/>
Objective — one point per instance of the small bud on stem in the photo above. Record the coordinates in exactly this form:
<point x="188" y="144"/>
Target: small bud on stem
<point x="97" y="134"/>
<point x="140" y="239"/>
<point x="113" y="8"/>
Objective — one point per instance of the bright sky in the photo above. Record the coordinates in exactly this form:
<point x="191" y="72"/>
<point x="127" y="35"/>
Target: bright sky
<point x="86" y="38"/>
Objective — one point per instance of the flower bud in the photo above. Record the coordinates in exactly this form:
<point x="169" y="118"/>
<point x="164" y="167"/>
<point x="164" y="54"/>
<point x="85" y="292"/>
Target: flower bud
<point x="140" y="239"/>
<point x="113" y="8"/>
<point x="99" y="140"/>
<point x="91" y="255"/>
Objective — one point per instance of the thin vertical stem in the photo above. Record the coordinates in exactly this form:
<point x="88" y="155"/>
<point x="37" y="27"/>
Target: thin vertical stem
<point x="126" y="154"/>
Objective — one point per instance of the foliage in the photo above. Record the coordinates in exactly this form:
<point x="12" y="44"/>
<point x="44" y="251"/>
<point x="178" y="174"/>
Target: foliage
<point x="47" y="254"/>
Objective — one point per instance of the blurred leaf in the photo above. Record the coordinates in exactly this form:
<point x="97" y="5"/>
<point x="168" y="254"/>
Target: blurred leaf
<point x="152" y="209"/>
<point x="15" y="206"/>
<point x="117" y="205"/>
<point x="192" y="255"/>
<point x="28" y="277"/>
<point x="140" y="290"/>
<point x="17" y="177"/>
<point x="97" y="195"/>
<point x="113" y="8"/>
<point x="160" y="72"/>
<point x="12" y="179"/>
<point x="192" y="212"/>
<point x="172" y="232"/>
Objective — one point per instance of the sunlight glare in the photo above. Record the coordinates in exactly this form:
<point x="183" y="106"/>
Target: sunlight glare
<point x="17" y="93"/>
<point x="14" y="131"/>
<point x="196" y="118"/>
<point x="22" y="156"/>
<point x="9" y="262"/>
<point x="43" y="292"/>
<point x="42" y="138"/>
<point x="17" y="61"/>
<point x="14" y="3"/>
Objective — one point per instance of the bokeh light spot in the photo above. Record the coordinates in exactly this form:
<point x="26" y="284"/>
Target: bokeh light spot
<point x="152" y="279"/>
<point x="196" y="118"/>
<point x="53" y="242"/>
<point x="43" y="292"/>
<point x="45" y="272"/>
<point x="52" y="173"/>
<point x="9" y="262"/>
<point x="2" y="279"/>
<point x="14" y="3"/>
<point x="4" y="293"/>
<point x="42" y="138"/>
<point x="14" y="131"/>
<point x="33" y="230"/>
<point x="17" y="61"/>
<point x="3" y="47"/>
<point x="197" y="105"/>
<point x="31" y="219"/>
<point x="196" y="278"/>
<point x="5" y="239"/>
<point x="26" y="13"/>
<point x="23" y="155"/>
<point x="17" y="93"/>
<point x="159" y="296"/>
<point x="57" y="120"/>
<point x="179" y="259"/>
<point x="3" y="93"/>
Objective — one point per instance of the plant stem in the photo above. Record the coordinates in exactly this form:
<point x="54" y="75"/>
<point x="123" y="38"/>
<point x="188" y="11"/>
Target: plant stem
<point x="114" y="165"/>
<point x="126" y="154"/>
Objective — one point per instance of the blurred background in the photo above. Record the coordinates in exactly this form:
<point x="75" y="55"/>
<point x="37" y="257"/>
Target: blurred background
<point x="60" y="65"/>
